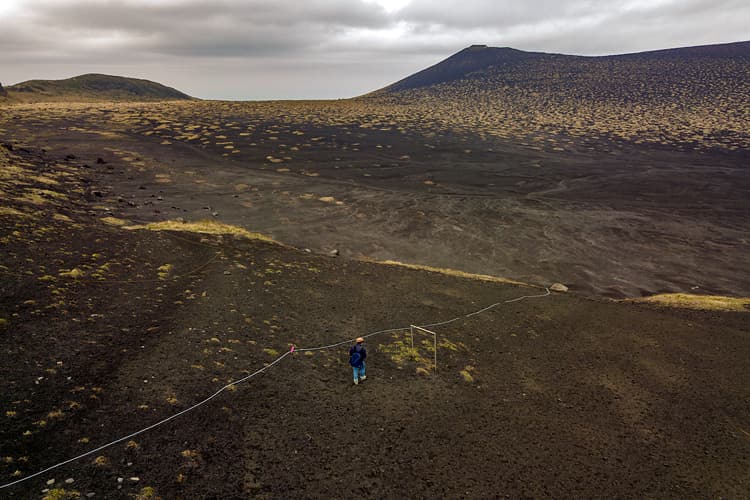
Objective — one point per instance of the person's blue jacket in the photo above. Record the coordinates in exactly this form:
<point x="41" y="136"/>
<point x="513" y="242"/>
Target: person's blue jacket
<point x="359" y="348"/>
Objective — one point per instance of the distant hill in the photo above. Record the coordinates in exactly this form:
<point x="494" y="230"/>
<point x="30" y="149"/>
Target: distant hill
<point x="515" y="67"/>
<point x="94" y="87"/>
<point x="462" y="64"/>
<point x="696" y="97"/>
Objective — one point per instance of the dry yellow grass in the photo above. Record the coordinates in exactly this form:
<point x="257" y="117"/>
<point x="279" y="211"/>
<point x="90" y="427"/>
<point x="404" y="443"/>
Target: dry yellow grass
<point x="204" y="227"/>
<point x="451" y="272"/>
<point x="702" y="302"/>
<point x="12" y="212"/>
<point x="114" y="221"/>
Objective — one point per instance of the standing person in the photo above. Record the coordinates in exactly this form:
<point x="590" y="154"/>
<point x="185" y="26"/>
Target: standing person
<point x="357" y="355"/>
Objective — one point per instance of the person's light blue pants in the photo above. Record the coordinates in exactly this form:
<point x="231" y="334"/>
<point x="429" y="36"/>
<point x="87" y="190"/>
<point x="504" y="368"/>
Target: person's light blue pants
<point x="359" y="372"/>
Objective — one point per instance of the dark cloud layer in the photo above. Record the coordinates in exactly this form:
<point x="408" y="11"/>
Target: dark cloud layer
<point x="328" y="48"/>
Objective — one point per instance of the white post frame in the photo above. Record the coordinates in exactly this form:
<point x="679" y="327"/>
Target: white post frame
<point x="434" y="340"/>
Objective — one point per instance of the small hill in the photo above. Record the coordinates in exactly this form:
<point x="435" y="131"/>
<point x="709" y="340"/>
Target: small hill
<point x="94" y="87"/>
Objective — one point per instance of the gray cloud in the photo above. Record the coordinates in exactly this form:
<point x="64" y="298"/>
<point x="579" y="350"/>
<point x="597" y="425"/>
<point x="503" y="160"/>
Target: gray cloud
<point x="328" y="48"/>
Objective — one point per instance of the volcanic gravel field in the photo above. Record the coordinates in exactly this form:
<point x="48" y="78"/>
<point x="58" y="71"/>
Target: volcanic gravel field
<point x="106" y="330"/>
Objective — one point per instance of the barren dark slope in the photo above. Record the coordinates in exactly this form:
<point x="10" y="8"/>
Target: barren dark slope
<point x="104" y="331"/>
<point x="94" y="87"/>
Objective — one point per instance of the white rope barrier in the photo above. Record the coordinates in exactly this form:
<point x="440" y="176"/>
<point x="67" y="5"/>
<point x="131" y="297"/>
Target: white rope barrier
<point x="258" y="372"/>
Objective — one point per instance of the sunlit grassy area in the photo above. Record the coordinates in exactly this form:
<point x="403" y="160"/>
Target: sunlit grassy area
<point x="452" y="272"/>
<point x="704" y="302"/>
<point x="205" y="227"/>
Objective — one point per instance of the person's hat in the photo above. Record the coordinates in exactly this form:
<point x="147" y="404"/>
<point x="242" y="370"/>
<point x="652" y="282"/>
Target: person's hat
<point x="360" y="340"/>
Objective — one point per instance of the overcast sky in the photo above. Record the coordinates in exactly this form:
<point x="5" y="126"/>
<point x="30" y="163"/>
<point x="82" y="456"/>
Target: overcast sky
<point x="292" y="49"/>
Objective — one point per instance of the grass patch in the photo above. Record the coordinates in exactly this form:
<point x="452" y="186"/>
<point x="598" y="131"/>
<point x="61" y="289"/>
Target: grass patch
<point x="401" y="352"/>
<point x="33" y="198"/>
<point x="702" y="302"/>
<point x="207" y="226"/>
<point x="50" y="194"/>
<point x="61" y="494"/>
<point x="62" y="218"/>
<point x="164" y="271"/>
<point x="451" y="272"/>
<point x="73" y="273"/>
<point x="114" y="221"/>
<point x="12" y="212"/>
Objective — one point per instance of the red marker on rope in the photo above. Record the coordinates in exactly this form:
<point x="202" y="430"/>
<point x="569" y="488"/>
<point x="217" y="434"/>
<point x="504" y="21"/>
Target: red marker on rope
<point x="292" y="349"/>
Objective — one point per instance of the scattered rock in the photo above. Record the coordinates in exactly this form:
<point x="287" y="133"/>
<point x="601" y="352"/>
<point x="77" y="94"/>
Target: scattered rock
<point x="70" y="480"/>
<point x="227" y="273"/>
<point x="215" y="214"/>
<point x="334" y="252"/>
<point x="50" y="482"/>
<point x="135" y="479"/>
<point x="97" y="193"/>
<point x="100" y="161"/>
<point x="120" y="480"/>
<point x="90" y="495"/>
<point x="558" y="287"/>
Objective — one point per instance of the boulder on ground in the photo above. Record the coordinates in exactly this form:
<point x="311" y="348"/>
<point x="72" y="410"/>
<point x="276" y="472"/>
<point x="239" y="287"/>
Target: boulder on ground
<point x="558" y="287"/>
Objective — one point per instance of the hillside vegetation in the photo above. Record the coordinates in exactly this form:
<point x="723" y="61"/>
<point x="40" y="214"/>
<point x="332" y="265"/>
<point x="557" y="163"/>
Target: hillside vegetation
<point x="690" y="98"/>
<point x="94" y="87"/>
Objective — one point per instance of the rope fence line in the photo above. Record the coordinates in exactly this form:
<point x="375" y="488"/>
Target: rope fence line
<point x="157" y="424"/>
<point x="258" y="372"/>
